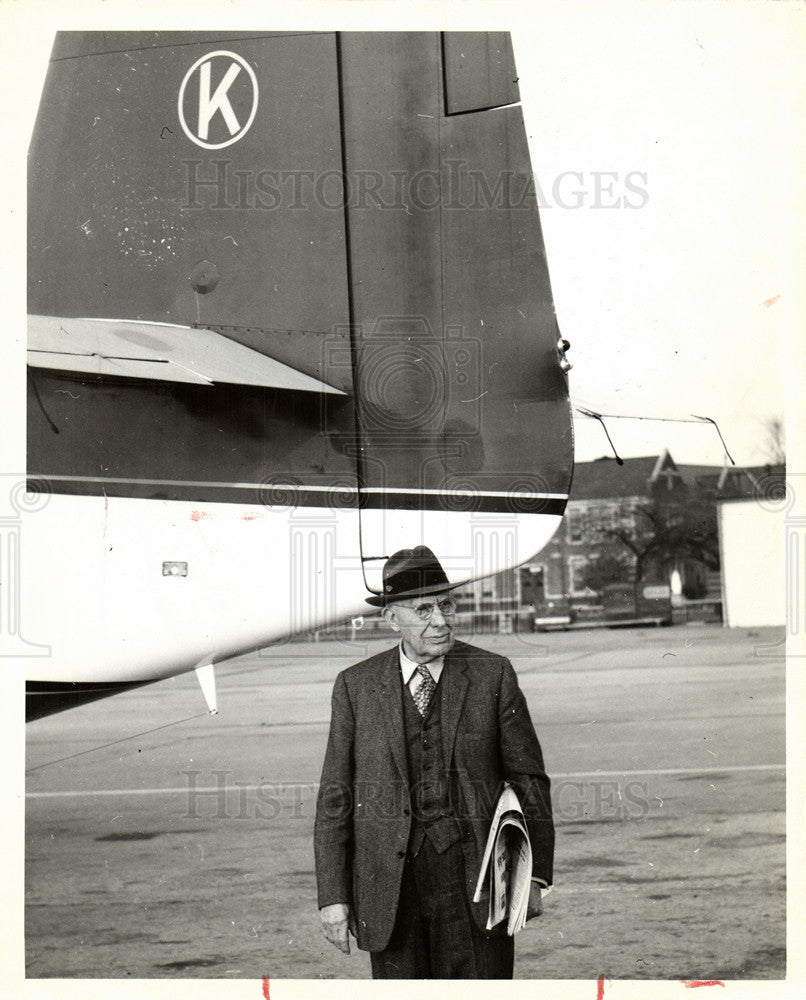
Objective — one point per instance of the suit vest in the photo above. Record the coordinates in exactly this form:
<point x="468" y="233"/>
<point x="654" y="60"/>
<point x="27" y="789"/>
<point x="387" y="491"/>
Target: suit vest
<point x="432" y="814"/>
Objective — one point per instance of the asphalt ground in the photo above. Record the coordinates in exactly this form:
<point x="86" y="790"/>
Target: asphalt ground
<point x="187" y="852"/>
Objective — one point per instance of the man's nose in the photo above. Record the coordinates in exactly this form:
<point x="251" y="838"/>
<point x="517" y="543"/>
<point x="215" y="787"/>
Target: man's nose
<point x="437" y="617"/>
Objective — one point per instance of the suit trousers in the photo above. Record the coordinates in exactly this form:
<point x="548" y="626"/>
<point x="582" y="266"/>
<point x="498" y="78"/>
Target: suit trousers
<point x="435" y="935"/>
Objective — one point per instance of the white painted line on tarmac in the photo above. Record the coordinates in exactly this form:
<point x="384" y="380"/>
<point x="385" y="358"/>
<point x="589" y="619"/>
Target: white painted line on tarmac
<point x="287" y="785"/>
<point x="716" y="769"/>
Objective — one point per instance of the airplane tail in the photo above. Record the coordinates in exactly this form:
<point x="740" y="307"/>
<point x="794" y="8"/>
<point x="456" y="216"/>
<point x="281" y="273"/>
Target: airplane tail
<point x="295" y="271"/>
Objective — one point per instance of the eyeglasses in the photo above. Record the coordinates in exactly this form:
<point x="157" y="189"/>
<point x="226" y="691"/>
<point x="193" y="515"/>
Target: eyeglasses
<point x="447" y="606"/>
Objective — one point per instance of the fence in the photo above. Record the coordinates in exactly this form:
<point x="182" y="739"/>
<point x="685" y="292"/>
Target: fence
<point x="466" y="623"/>
<point x="707" y="609"/>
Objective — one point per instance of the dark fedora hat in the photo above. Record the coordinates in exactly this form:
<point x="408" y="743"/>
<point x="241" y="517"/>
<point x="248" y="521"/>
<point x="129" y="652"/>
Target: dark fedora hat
<point x="409" y="573"/>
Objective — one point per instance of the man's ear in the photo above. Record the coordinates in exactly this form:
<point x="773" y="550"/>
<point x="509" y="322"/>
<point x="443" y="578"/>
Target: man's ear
<point x="391" y="617"/>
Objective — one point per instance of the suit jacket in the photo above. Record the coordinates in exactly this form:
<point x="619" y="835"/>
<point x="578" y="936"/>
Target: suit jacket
<point x="363" y="813"/>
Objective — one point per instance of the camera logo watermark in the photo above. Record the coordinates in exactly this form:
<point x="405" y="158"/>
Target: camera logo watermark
<point x="408" y="378"/>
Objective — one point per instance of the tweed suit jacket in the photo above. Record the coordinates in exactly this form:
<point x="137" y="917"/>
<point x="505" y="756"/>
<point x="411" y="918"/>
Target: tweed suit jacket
<point x="363" y="814"/>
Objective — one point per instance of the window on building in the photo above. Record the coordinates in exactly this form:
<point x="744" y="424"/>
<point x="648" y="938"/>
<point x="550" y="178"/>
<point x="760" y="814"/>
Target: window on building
<point x="576" y="569"/>
<point x="605" y="517"/>
<point x="573" y="526"/>
<point x="533" y="585"/>
<point x="465" y="597"/>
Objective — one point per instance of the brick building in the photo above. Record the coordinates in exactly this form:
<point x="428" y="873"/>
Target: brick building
<point x="607" y="498"/>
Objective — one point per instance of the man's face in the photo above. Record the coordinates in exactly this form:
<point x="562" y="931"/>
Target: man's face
<point x="423" y="639"/>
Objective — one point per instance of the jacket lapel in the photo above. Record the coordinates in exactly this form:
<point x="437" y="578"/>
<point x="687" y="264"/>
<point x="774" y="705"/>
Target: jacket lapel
<point x="454" y="683"/>
<point x="391" y="708"/>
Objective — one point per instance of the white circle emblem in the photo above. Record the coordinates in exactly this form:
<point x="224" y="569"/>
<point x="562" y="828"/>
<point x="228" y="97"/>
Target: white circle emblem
<point x="218" y="100"/>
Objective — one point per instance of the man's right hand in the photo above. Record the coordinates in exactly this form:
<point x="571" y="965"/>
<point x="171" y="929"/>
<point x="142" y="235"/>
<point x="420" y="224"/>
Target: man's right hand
<point x="337" y="920"/>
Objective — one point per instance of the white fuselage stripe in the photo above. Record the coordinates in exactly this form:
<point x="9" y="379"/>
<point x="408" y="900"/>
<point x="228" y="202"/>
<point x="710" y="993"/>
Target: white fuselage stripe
<point x="298" y="486"/>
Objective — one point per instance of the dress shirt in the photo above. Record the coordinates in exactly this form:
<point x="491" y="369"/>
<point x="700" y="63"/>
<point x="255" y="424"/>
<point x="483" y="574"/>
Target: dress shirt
<point x="408" y="669"/>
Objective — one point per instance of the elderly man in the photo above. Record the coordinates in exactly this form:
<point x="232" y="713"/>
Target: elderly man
<point x="422" y="738"/>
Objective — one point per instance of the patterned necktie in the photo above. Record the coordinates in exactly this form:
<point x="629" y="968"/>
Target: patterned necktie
<point x="425" y="692"/>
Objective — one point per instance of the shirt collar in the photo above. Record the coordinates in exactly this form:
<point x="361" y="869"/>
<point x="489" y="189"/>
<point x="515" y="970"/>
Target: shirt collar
<point x="408" y="667"/>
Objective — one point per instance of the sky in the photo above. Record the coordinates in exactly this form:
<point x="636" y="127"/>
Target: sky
<point x="677" y="300"/>
<point x="668" y="150"/>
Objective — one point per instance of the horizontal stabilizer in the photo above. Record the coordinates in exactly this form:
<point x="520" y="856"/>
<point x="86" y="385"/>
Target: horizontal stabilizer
<point x="174" y="353"/>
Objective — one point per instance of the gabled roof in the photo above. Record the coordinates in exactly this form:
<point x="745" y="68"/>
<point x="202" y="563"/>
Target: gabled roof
<point x="604" y="478"/>
<point x="700" y="475"/>
<point x="764" y="482"/>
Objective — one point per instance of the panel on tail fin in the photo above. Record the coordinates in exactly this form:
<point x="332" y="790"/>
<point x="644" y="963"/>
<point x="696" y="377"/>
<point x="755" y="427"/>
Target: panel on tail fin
<point x="462" y="405"/>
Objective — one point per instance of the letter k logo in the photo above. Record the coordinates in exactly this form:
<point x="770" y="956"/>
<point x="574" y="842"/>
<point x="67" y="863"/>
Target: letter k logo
<point x="218" y="102"/>
<point x="217" y="124"/>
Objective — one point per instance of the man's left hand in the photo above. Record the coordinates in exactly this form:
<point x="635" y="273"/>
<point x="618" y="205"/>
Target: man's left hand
<point x="535" y="905"/>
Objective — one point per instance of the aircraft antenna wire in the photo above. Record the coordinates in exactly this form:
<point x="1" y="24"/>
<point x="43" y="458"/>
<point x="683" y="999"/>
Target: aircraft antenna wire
<point x="711" y="420"/>
<point x="124" y="739"/>
<point x="693" y="419"/>
<point x="599" y="417"/>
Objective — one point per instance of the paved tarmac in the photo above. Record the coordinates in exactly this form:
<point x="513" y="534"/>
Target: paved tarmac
<point x="187" y="852"/>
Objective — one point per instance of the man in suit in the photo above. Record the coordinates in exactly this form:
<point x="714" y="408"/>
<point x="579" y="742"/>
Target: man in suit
<point x="422" y="738"/>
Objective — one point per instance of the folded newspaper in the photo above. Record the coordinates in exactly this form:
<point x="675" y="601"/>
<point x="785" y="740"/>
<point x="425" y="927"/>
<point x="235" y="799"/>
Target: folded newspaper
<point x="506" y="869"/>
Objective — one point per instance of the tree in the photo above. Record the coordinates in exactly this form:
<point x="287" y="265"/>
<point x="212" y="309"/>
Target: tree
<point x="774" y="444"/>
<point x="663" y="532"/>
<point x="609" y="567"/>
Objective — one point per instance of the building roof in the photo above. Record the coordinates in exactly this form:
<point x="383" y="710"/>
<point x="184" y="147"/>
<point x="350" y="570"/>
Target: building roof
<point x="759" y="482"/>
<point x="698" y="475"/>
<point x="604" y="478"/>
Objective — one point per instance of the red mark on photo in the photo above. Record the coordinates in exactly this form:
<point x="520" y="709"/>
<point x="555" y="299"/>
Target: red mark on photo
<point x="266" y="988"/>
<point x="198" y="515"/>
<point x="767" y="304"/>
<point x="692" y="984"/>
<point x="600" y="987"/>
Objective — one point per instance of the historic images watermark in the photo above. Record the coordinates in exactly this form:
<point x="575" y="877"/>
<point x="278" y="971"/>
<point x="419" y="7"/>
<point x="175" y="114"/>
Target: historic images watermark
<point x="19" y="499"/>
<point x="781" y="497"/>
<point x="218" y="184"/>
<point x="220" y="795"/>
